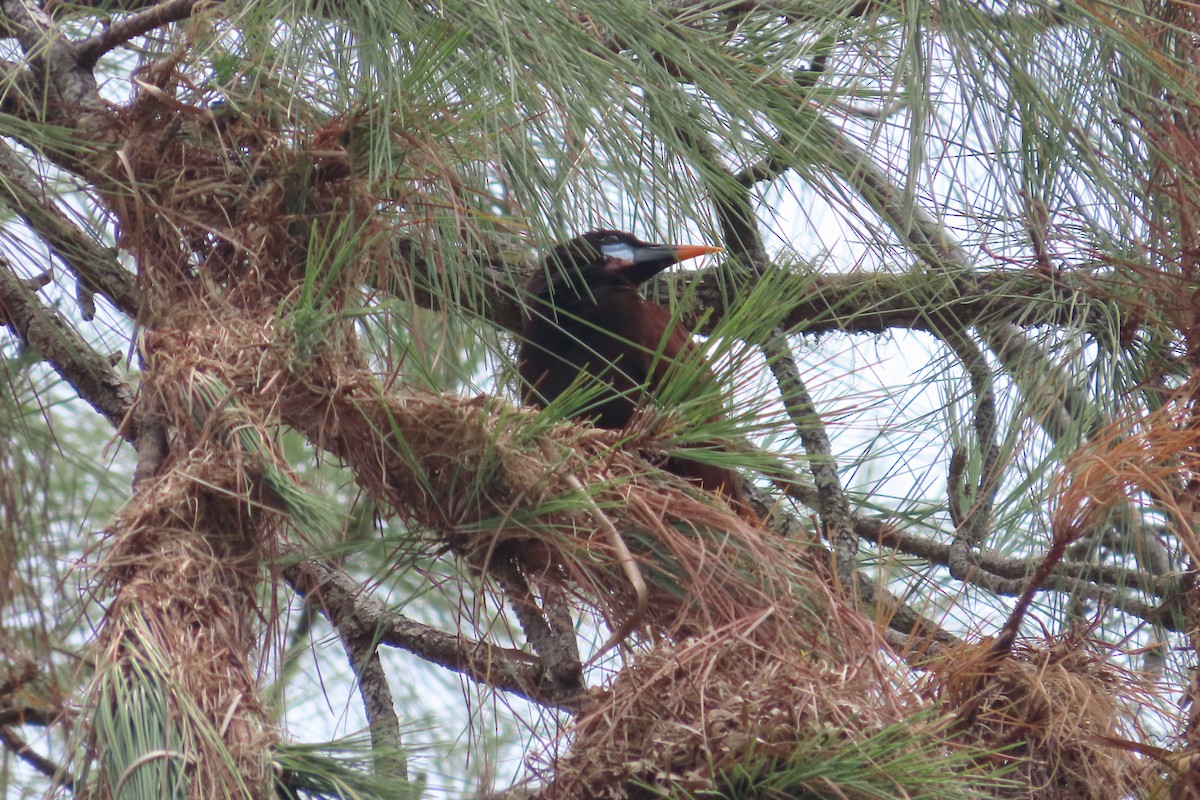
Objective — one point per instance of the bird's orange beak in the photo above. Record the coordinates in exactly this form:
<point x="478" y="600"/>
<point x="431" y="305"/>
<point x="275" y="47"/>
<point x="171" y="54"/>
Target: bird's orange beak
<point x="650" y="259"/>
<point x="685" y="251"/>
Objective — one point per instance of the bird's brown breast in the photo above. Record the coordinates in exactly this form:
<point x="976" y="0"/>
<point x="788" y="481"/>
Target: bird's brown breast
<point x="621" y="340"/>
<point x="627" y="344"/>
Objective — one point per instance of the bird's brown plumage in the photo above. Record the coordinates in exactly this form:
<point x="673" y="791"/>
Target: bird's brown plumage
<point x="587" y="316"/>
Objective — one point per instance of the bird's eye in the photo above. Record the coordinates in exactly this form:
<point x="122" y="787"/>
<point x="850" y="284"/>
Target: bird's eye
<point x="612" y="238"/>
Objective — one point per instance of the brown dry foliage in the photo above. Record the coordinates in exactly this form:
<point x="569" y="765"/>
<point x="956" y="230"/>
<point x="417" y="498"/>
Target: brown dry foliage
<point x="218" y="208"/>
<point x="217" y="213"/>
<point x="682" y="717"/>
<point x="184" y="562"/>
<point x="1054" y="708"/>
<point x="463" y="471"/>
<point x="1150" y="459"/>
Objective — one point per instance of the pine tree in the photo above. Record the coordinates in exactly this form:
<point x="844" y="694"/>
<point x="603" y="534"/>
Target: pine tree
<point x="274" y="522"/>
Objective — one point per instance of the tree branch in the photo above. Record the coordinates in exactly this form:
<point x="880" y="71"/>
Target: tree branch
<point x="50" y="335"/>
<point x="545" y="630"/>
<point x="1010" y="576"/>
<point x="338" y="598"/>
<point x="123" y="30"/>
<point x="997" y="574"/>
<point x="740" y="235"/>
<point x="95" y="267"/>
<point x="42" y="765"/>
<point x="71" y="85"/>
<point x="853" y="302"/>
<point x="384" y="725"/>
<point x="972" y="512"/>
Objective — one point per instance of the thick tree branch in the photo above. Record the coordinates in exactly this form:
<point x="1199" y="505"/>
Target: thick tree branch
<point x="854" y="302"/>
<point x="50" y="335"/>
<point x="42" y="765"/>
<point x="141" y="22"/>
<point x="96" y="267"/>
<point x="71" y="86"/>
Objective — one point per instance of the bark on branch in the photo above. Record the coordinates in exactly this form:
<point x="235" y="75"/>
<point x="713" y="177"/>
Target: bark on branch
<point x="339" y="598"/>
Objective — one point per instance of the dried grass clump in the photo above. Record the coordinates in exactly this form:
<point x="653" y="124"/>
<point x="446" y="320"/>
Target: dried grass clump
<point x="184" y="565"/>
<point x="218" y="204"/>
<point x="682" y="719"/>
<point x="469" y="473"/>
<point x="1143" y="458"/>
<point x="1054" y="710"/>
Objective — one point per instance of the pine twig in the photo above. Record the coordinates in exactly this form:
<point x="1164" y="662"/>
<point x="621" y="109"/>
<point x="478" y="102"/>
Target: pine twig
<point x="624" y="558"/>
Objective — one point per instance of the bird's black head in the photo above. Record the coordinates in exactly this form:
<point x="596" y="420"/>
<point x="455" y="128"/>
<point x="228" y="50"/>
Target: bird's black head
<point x="601" y="259"/>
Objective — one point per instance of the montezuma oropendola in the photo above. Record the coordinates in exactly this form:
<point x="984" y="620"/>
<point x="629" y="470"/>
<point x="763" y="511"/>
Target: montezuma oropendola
<point x="588" y="316"/>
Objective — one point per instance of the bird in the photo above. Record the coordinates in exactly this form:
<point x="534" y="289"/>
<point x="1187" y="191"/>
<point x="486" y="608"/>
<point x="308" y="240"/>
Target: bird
<point x="586" y="315"/>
